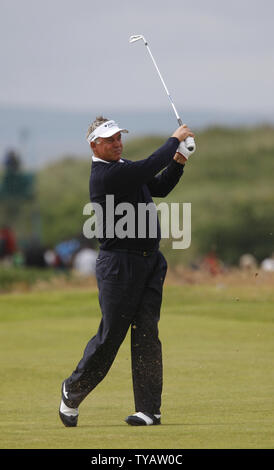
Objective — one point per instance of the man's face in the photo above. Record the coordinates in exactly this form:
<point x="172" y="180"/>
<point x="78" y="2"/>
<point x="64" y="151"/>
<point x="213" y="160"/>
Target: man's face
<point x="109" y="148"/>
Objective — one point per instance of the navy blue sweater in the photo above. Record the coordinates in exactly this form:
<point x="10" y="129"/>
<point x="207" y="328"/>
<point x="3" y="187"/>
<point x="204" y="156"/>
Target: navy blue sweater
<point x="134" y="183"/>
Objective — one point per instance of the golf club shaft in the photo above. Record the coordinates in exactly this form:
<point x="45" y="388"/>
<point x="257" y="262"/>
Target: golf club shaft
<point x="165" y="87"/>
<point x="189" y="142"/>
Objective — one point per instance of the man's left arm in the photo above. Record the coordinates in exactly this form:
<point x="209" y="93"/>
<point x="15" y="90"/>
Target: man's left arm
<point x="162" y="184"/>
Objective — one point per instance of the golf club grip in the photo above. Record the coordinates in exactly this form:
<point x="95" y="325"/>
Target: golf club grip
<point x="190" y="143"/>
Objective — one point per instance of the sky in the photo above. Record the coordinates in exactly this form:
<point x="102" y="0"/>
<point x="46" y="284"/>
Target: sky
<point x="75" y="55"/>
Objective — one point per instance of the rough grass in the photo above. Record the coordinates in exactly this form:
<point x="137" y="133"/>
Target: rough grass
<point x="218" y="371"/>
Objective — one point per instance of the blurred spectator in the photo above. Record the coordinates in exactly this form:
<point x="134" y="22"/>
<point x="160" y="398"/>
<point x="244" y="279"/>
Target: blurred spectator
<point x="7" y="242"/>
<point x="65" y="251"/>
<point x="212" y="264"/>
<point x="268" y="264"/>
<point x="18" y="259"/>
<point x="34" y="256"/>
<point x="51" y="259"/>
<point x="85" y="261"/>
<point x="248" y="262"/>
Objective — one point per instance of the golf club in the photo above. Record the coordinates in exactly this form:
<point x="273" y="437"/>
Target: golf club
<point x="189" y="142"/>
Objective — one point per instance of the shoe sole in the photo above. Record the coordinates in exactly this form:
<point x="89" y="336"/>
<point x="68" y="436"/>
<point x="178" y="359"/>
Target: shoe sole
<point x="68" y="421"/>
<point x="135" y="421"/>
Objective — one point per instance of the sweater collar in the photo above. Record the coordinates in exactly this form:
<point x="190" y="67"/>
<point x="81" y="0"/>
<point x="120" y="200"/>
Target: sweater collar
<point x="96" y="159"/>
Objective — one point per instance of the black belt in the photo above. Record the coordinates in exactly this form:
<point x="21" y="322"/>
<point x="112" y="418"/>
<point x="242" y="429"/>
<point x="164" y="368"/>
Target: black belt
<point x="134" y="252"/>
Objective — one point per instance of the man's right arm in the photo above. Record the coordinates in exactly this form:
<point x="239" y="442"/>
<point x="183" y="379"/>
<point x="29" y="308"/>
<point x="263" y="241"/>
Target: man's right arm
<point x="129" y="175"/>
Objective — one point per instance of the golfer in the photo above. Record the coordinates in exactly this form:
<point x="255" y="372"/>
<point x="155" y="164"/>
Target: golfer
<point x="130" y="272"/>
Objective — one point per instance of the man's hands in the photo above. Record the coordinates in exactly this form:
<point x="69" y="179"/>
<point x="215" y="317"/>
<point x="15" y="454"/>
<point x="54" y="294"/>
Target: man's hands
<point x="179" y="158"/>
<point x="182" y="133"/>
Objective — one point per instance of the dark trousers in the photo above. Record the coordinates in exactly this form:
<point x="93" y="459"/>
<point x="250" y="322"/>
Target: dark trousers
<point x="130" y="294"/>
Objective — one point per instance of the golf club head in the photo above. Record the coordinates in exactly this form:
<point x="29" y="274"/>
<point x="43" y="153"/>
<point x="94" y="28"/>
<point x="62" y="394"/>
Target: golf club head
<point x="137" y="37"/>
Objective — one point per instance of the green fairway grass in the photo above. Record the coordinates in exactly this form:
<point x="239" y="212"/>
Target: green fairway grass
<point x="218" y="354"/>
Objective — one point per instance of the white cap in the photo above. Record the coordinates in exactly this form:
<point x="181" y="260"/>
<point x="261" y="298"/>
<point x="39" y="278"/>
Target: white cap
<point x="107" y="129"/>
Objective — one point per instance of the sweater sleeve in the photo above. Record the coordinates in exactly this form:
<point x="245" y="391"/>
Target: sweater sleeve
<point x="130" y="175"/>
<point x="162" y="184"/>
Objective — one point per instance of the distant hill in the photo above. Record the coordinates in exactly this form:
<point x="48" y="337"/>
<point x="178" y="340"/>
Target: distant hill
<point x="43" y="136"/>
<point x="229" y="182"/>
